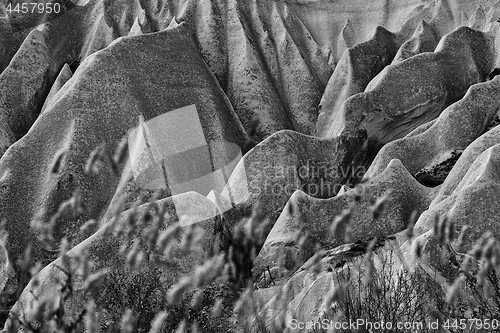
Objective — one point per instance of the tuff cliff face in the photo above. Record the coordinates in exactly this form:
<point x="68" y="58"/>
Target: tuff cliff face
<point x="302" y="107"/>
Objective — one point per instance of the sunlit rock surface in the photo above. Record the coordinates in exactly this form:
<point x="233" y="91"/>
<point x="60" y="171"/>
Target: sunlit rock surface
<point x="108" y="249"/>
<point x="85" y="120"/>
<point x="456" y="128"/>
<point x="314" y="217"/>
<point x="295" y="102"/>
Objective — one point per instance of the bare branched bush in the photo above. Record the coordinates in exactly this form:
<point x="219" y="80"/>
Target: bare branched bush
<point x="218" y="295"/>
<point x="475" y="294"/>
<point x="383" y="295"/>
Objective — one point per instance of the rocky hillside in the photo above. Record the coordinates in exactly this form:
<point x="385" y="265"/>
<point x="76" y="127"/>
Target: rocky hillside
<point x="133" y="115"/>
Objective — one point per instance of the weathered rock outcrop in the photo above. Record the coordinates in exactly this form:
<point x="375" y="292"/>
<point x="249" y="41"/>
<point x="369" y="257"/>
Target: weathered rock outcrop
<point x="357" y="67"/>
<point x="314" y="217"/>
<point x="239" y="83"/>
<point x="342" y="24"/>
<point x="109" y="249"/>
<point x="24" y="86"/>
<point x="423" y="40"/>
<point x="63" y="77"/>
<point x="306" y="295"/>
<point x="456" y="128"/>
<point x="418" y="88"/>
<point x="99" y="104"/>
<point x="473" y="202"/>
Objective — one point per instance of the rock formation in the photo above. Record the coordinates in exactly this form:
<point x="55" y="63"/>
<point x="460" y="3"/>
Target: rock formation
<point x="124" y="119"/>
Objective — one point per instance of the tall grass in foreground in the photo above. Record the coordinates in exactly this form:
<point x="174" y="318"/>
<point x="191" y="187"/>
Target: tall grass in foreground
<point x="220" y="296"/>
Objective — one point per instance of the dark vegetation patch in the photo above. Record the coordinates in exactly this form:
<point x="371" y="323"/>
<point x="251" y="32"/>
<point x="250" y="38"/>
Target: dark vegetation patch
<point x="435" y="175"/>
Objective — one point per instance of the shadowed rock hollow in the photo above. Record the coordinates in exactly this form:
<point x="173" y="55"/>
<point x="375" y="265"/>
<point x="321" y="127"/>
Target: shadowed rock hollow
<point x="309" y="108"/>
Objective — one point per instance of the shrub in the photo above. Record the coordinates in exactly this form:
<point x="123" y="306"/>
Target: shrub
<point x="383" y="295"/>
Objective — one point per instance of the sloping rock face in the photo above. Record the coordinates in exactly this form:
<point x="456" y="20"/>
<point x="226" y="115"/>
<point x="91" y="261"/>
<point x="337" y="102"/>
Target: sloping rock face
<point x="30" y="71"/>
<point x="440" y="82"/>
<point x="424" y="39"/>
<point x="466" y="205"/>
<point x="312" y="109"/>
<point x="85" y="121"/>
<point x="288" y="161"/>
<point x="63" y="77"/>
<point x="354" y="71"/>
<point x="398" y="93"/>
<point x="305" y="295"/>
<point x="314" y="217"/>
<point x="108" y="249"/>
<point x="456" y="128"/>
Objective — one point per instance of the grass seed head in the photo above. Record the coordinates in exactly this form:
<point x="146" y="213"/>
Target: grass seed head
<point x="58" y="162"/>
<point x="171" y="233"/>
<point x="128" y="321"/>
<point x="379" y="205"/>
<point x="131" y="223"/>
<point x="483" y="273"/>
<point x="477" y="251"/>
<point x="42" y="306"/>
<point x="371" y="246"/>
<point x="168" y="253"/>
<point x="121" y="151"/>
<point x="452" y="292"/>
<point x="411" y="224"/>
<point x="340" y="222"/>
<point x="92" y="281"/>
<point x="135" y="256"/>
<point x="36" y="268"/>
<point x="450" y="231"/>
<point x="435" y="229"/>
<point x="197" y="299"/>
<point x="91" y="166"/>
<point x="182" y="327"/>
<point x="63" y="249"/>
<point x="195" y="327"/>
<point x="304" y="242"/>
<point x="158" y="322"/>
<point x="152" y="232"/>
<point x="217" y="307"/>
<point x="442" y="230"/>
<point x="461" y="238"/>
<point x="209" y="271"/>
<point x="417" y="248"/>
<point x="88" y="226"/>
<point x="291" y="208"/>
<point x="188" y="239"/>
<point x="466" y="264"/>
<point x="488" y="249"/>
<point x="175" y="294"/>
<point x="92" y="322"/>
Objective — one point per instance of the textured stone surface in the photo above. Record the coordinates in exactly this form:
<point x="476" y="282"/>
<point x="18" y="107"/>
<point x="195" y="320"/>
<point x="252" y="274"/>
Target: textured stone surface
<point x="342" y="24"/>
<point x="423" y="40"/>
<point x="287" y="161"/>
<point x="406" y="77"/>
<point x="304" y="295"/>
<point x="260" y="75"/>
<point x="104" y="248"/>
<point x="355" y="69"/>
<point x="455" y="128"/>
<point x="473" y="202"/>
<point x="24" y="85"/>
<point x="63" y="77"/>
<point x="469" y="155"/>
<point x="399" y="93"/>
<point x="86" y="118"/>
<point x="315" y="217"/>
